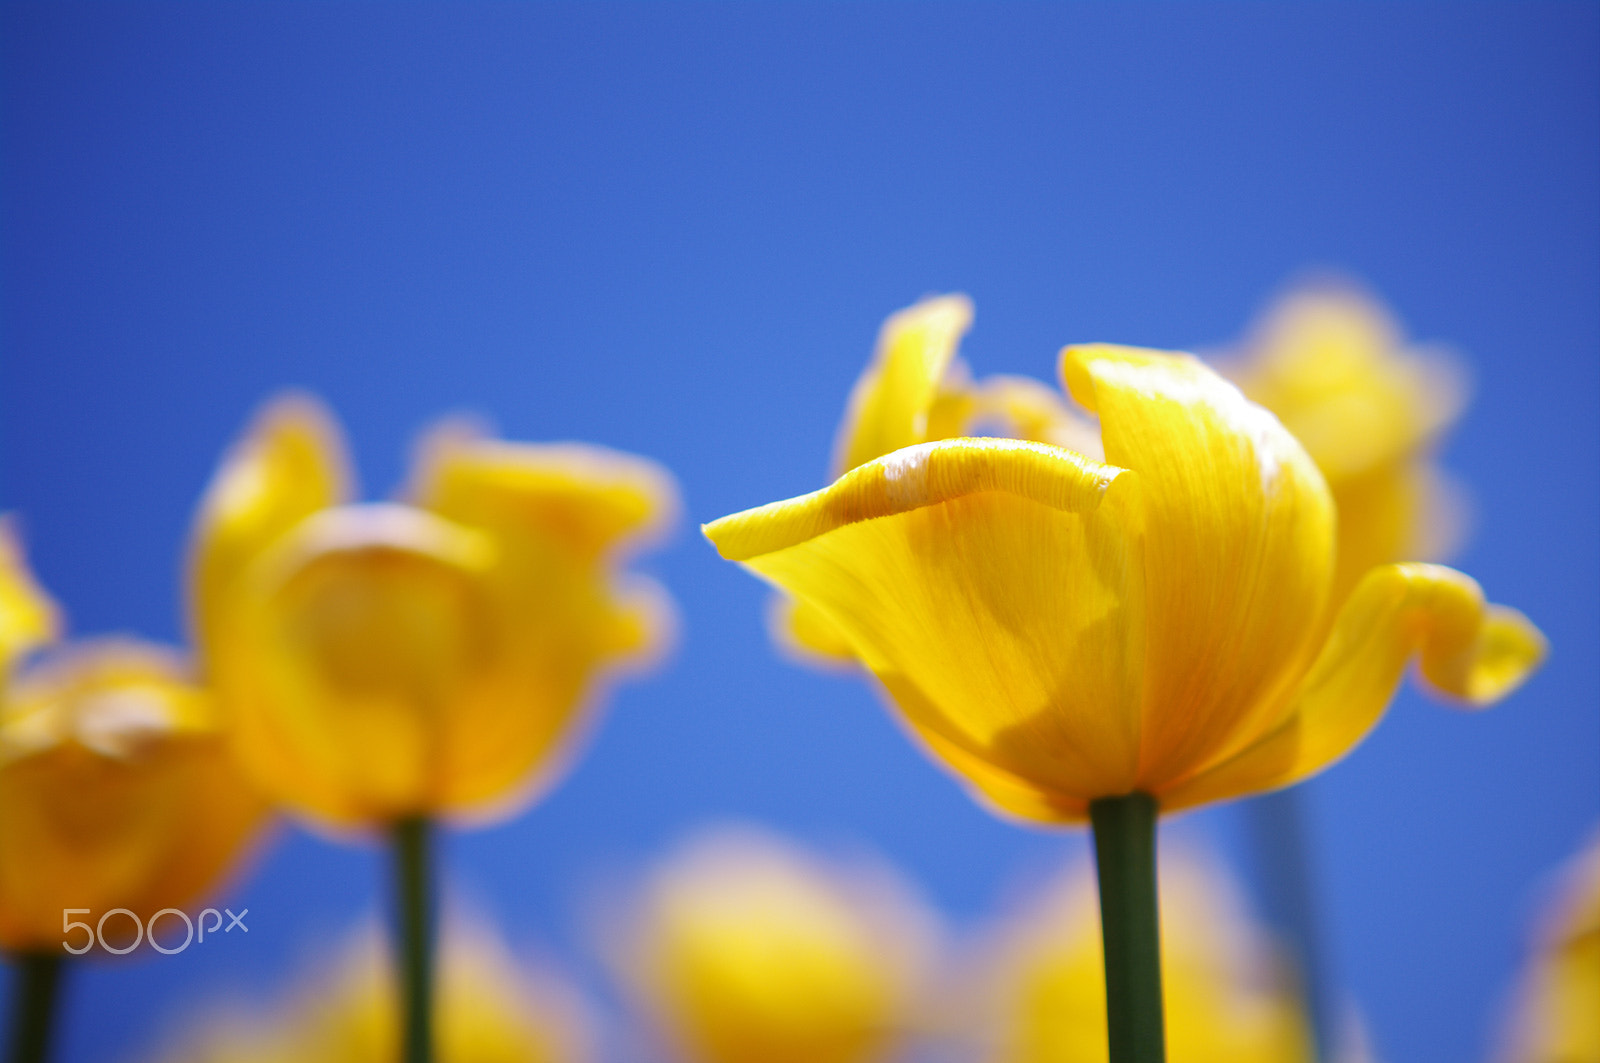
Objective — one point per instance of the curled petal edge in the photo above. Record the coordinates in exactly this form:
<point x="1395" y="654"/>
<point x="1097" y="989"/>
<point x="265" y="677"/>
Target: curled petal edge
<point x="922" y="475"/>
<point x="1472" y="652"/>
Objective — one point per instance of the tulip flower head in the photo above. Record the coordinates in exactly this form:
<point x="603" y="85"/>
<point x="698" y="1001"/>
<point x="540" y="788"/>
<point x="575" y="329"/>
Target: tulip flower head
<point x="1557" y="1019"/>
<point x="427" y="657"/>
<point x="1331" y="363"/>
<point x="746" y="951"/>
<point x="916" y="390"/>
<point x="1057" y="628"/>
<point x="491" y="1009"/>
<point x="117" y="788"/>
<point x="1227" y="997"/>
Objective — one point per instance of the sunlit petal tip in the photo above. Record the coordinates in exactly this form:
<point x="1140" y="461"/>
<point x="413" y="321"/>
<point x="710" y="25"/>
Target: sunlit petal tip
<point x="892" y="402"/>
<point x="601" y="499"/>
<point x="918" y="476"/>
<point x="1505" y="651"/>
<point x="29" y="617"/>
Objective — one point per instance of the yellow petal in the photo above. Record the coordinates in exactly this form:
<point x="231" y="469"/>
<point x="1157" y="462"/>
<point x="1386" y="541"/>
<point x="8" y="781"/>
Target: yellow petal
<point x="805" y="633"/>
<point x="1019" y="407"/>
<point x="1469" y="651"/>
<point x="289" y="464"/>
<point x="1331" y="363"/>
<point x="890" y="405"/>
<point x="749" y="952"/>
<point x="28" y="616"/>
<point x="586" y="500"/>
<point x="371" y="656"/>
<point x="116" y="790"/>
<point x="1238" y="549"/>
<point x="987" y="585"/>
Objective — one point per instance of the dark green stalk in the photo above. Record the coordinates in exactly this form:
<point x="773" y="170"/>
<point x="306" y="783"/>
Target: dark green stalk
<point x="34" y="995"/>
<point x="1125" y="854"/>
<point x="414" y="910"/>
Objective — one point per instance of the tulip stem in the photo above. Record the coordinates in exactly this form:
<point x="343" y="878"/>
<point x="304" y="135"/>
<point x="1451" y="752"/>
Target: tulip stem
<point x="1125" y="855"/>
<point x="414" y="903"/>
<point x="38" y="978"/>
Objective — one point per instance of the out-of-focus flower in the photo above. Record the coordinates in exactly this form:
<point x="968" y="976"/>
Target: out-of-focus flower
<point x="1557" y="1018"/>
<point x="434" y="657"/>
<point x="28" y="618"/>
<point x="747" y="951"/>
<point x="915" y="390"/>
<point x="489" y="1009"/>
<point x="1058" y="630"/>
<point x="1228" y="998"/>
<point x="1331" y="363"/>
<point x="117" y="789"/>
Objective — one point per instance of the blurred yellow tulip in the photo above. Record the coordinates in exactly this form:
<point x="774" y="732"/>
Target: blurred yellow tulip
<point x="489" y="1010"/>
<point x="915" y="390"/>
<point x="28" y="618"/>
<point x="117" y="789"/>
<point x="1058" y="630"/>
<point x="747" y="951"/>
<point x="1331" y="363"/>
<point x="1228" y="999"/>
<point x="1557" y="1019"/>
<point x="431" y="657"/>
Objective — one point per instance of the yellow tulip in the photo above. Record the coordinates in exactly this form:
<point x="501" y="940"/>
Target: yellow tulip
<point x="1333" y="366"/>
<point x="490" y="1010"/>
<point x="916" y="390"/>
<point x="116" y="791"/>
<point x="747" y="951"/>
<point x="1058" y="630"/>
<point x="1558" y="1013"/>
<point x="430" y="657"/>
<point x="1227" y="998"/>
<point x="28" y="618"/>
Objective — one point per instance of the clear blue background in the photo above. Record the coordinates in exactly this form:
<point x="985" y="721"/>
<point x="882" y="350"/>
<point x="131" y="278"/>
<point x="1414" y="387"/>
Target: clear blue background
<point x="675" y="230"/>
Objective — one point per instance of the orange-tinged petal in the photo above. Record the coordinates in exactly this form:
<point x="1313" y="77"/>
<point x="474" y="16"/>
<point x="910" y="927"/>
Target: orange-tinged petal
<point x="371" y="655"/>
<point x="890" y="405"/>
<point x="28" y="616"/>
<point x="1467" y="650"/>
<point x="289" y="464"/>
<point x="116" y="791"/>
<point x="987" y="585"/>
<point x="1238" y="549"/>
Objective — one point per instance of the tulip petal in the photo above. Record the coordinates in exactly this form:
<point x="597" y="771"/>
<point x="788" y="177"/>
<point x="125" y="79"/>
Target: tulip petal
<point x="1238" y="545"/>
<point x="370" y="653"/>
<point x="1467" y="650"/>
<point x="890" y="405"/>
<point x="988" y="586"/>
<point x="116" y="790"/>
<point x="288" y="465"/>
<point x="28" y="616"/>
<point x="804" y="632"/>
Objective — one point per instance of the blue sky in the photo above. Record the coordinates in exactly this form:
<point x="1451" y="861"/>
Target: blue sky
<point x="675" y="229"/>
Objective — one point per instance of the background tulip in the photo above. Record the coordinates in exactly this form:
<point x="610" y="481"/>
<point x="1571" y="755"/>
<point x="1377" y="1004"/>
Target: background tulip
<point x="744" y="950"/>
<point x="491" y="1008"/>
<point x="1229" y="996"/>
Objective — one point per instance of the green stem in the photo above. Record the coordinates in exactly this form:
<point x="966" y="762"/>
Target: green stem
<point x="1125" y="854"/>
<point x="414" y="904"/>
<point x="34" y="995"/>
